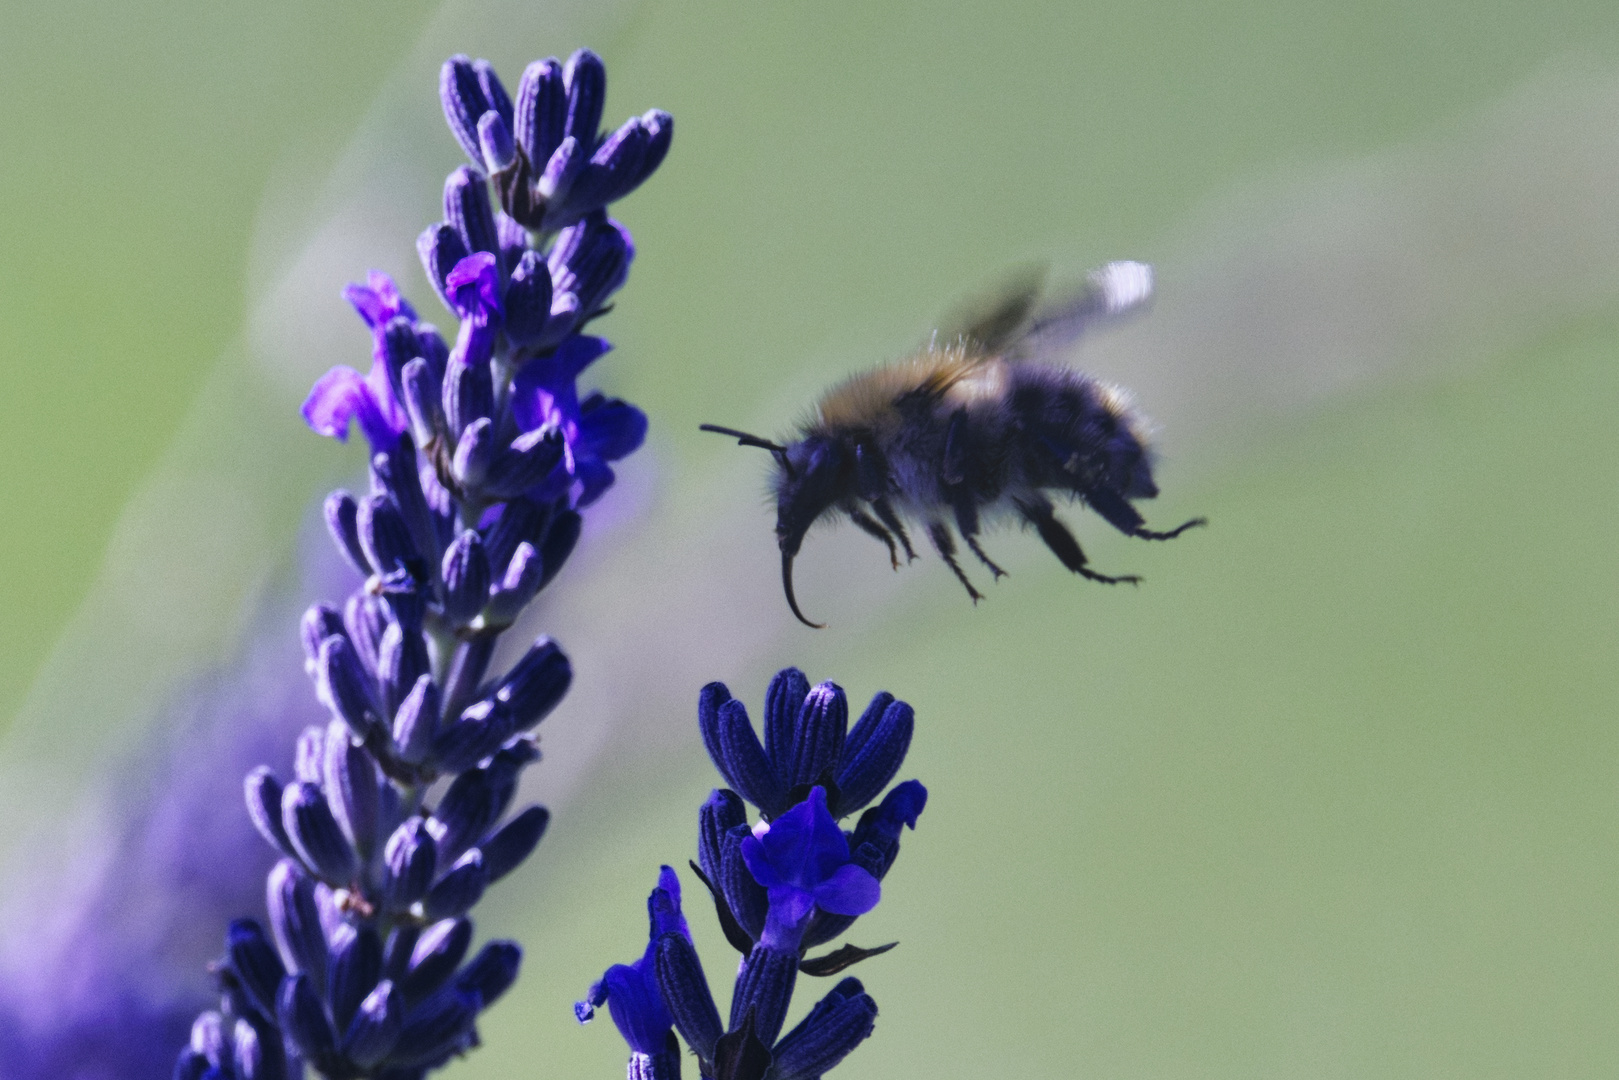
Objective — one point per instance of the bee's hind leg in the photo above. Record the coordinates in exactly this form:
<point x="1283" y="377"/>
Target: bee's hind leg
<point x="945" y="545"/>
<point x="1148" y="534"/>
<point x="1063" y="545"/>
<point x="872" y="528"/>
<point x="967" y="523"/>
<point x="1127" y="519"/>
<point x="885" y="514"/>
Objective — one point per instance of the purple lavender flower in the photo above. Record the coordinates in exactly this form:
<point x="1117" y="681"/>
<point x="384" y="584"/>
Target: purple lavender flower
<point x="483" y="455"/>
<point x="790" y="882"/>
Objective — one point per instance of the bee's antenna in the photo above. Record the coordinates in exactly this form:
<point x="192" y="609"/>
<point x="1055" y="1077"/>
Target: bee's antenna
<point x="742" y="438"/>
<point x="787" y="585"/>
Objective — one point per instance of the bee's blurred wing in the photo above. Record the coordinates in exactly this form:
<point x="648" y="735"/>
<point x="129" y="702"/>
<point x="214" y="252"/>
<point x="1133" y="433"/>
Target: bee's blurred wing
<point x="1000" y="316"/>
<point x="1110" y="291"/>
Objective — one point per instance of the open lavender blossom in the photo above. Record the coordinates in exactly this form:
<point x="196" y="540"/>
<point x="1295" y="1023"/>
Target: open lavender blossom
<point x="781" y="886"/>
<point x="394" y="820"/>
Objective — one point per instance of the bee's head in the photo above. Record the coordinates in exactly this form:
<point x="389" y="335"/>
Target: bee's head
<point x="812" y="476"/>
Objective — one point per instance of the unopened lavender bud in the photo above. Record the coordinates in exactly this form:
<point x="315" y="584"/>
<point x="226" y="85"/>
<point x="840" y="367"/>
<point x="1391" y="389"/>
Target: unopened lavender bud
<point x="459" y="889"/>
<point x="528" y="299"/>
<point x="817" y="736"/>
<point x="520" y="520"/>
<point x="356" y="965"/>
<point x="263" y="792"/>
<point x="516" y="588"/>
<point x="685" y="992"/>
<point x="295" y="920"/>
<point x="469" y="396"/>
<point x="462" y="95"/>
<point x="466" y="578"/>
<point x="536" y="683"/>
<point x="467" y="209"/>
<point x="835" y="1026"/>
<point x="384" y="537"/>
<point x="541" y="110"/>
<point x="661" y="126"/>
<point x="440" y="248"/>
<point x="350" y="779"/>
<point x="560" y="538"/>
<point x="585" y="77"/>
<point x="423" y="394"/>
<point x="376" y="1026"/>
<point x="342" y="521"/>
<point x="410" y="861"/>
<point x="416" y="721"/>
<point x="396" y="475"/>
<point x="495" y="140"/>
<point x="253" y="960"/>
<point x="303" y="1019"/>
<point x="747" y="899"/>
<point x="721" y="812"/>
<point x="492" y="972"/>
<point x="764" y="986"/>
<point x="473" y="453"/>
<point x="735" y="750"/>
<point x="505" y="850"/>
<point x="260" y="1053"/>
<point x="315" y="834"/>
<point x="563" y="167"/>
<point x="320" y="622"/>
<point x="401" y="660"/>
<point x="436" y="955"/>
<point x="436" y="1029"/>
<point x="309" y="754"/>
<point x="472" y="736"/>
<point x="470" y="807"/>
<point x="366" y="617"/>
<point x="346" y="685"/>
<point x="874" y="752"/>
<point x="533" y="456"/>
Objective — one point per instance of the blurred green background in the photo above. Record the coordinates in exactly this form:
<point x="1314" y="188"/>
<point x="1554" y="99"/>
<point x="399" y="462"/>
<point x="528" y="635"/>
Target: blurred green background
<point x="1333" y="794"/>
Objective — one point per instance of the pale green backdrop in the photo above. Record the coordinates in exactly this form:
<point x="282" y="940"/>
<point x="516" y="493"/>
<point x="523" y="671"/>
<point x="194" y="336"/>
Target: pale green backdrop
<point x="1332" y="795"/>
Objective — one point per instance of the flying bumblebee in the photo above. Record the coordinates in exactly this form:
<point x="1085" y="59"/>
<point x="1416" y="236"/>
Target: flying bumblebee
<point x="981" y="424"/>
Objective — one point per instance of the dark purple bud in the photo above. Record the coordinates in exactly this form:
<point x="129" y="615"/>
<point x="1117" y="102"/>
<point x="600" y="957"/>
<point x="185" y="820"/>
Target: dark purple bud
<point x="748" y="900"/>
<point x="585" y="79"/>
<point x="304" y="1022"/>
<point x="474" y="452"/>
<point x="517" y="587"/>
<point x="528" y="299"/>
<point x="437" y="953"/>
<point x="384" y="537"/>
<point x="459" y="889"/>
<point x="513" y="240"/>
<point x="520" y="520"/>
<point x="467" y="210"/>
<point x="410" y="861"/>
<point x="533" y="456"/>
<point x="880" y="826"/>
<point x="764" y="986"/>
<point x="475" y="801"/>
<point x="462" y="95"/>
<point x="396" y="475"/>
<point x="422" y="393"/>
<point x="466" y="578"/>
<point x="468" y="664"/>
<point x="492" y="972"/>
<point x="350" y="780"/>
<point x="493" y="92"/>
<point x="565" y="165"/>
<point x="836" y="1025"/>
<point x="541" y="109"/>
<point x="735" y="749"/>
<point x="784" y="700"/>
<point x="722" y="812"/>
<point x="874" y="752"/>
<point x="397" y="949"/>
<point x="685" y="994"/>
<point x="435" y="1029"/>
<point x="342" y="520"/>
<point x="416" y="721"/>
<point x="295" y="919"/>
<point x="263" y="792"/>
<point x="615" y="168"/>
<point x="560" y="537"/>
<point x="591" y="260"/>
<point x="535" y="684"/>
<point x="253" y="960"/>
<point x="504" y="851"/>
<point x="661" y="126"/>
<point x="468" y="397"/>
<point x="191" y="1065"/>
<point x="401" y="660"/>
<point x="315" y="834"/>
<point x="495" y="143"/>
<point x="309" y="755"/>
<point x="366" y="618"/>
<point x="320" y="622"/>
<point x="346" y="686"/>
<point x="441" y="247"/>
<point x="376" y="1026"/>
<point x="260" y="1053"/>
<point x="355" y="967"/>
<point x="818" y="735"/>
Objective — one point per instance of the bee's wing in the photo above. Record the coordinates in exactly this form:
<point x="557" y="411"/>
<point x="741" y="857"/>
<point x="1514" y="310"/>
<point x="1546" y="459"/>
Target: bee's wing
<point x="1115" y="289"/>
<point x="994" y="320"/>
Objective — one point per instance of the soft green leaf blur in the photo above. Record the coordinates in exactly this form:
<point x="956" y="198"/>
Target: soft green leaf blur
<point x="1332" y="794"/>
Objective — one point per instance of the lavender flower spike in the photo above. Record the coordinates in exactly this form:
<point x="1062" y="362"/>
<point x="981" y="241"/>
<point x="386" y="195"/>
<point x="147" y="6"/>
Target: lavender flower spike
<point x="394" y="821"/>
<point x="780" y="887"/>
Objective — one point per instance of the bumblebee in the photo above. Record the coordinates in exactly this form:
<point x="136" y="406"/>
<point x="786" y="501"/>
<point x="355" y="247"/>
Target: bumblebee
<point x="980" y="425"/>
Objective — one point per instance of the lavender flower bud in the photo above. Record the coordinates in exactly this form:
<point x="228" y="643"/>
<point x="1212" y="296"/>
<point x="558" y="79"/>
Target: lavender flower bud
<point x="560" y="537"/>
<point x="784" y="700"/>
<point x="585" y="78"/>
<point x="517" y="588"/>
<point x="366" y="618"/>
<point x="309" y="754"/>
<point x="320" y="622"/>
<point x="498" y="151"/>
<point x="350" y="780"/>
<point x="685" y="993"/>
<point x="253" y="960"/>
<point x="295" y="920"/>
<point x="520" y="520"/>
<point x="435" y="1029"/>
<point x="376" y="1027"/>
<point x="410" y="861"/>
<point x="528" y="299"/>
<point x="342" y="520"/>
<point x="384" y="537"/>
<point x="764" y="988"/>
<point x="303" y="1019"/>
<point x="469" y="396"/>
<point x="346" y="685"/>
<point x="541" y="110"/>
<point x="492" y="972"/>
<point x="437" y="953"/>
<point x="533" y="456"/>
<point x="396" y="475"/>
<point x="506" y="849"/>
<point x="722" y="812"/>
<point x="315" y="834"/>
<point x="836" y="1025"/>
<point x="401" y="660"/>
<point x="263" y="792"/>
<point x="416" y="721"/>
<point x="422" y="393"/>
<point x="735" y="749"/>
<point x="355" y="967"/>
<point x="535" y="684"/>
<point x="467" y="209"/>
<point x="817" y="737"/>
<point x="563" y="167"/>
<point x="748" y="900"/>
<point x="463" y="96"/>
<point x="440" y="248"/>
<point x="459" y="889"/>
<point x="466" y="578"/>
<point x="874" y="752"/>
<point x="473" y="453"/>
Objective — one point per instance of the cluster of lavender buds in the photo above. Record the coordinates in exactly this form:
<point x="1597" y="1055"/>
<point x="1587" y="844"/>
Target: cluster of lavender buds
<point x="789" y="883"/>
<point x="483" y="455"/>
